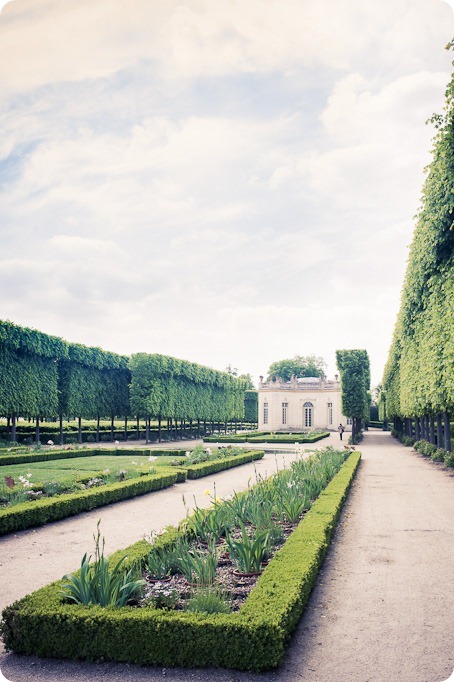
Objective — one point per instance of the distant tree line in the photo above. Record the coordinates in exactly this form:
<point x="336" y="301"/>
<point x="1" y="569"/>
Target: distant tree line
<point x="43" y="376"/>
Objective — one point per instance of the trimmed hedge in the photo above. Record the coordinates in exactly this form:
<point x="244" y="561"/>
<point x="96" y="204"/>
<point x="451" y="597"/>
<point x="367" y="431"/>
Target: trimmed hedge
<point x="268" y="438"/>
<point x="207" y="468"/>
<point x="48" y="455"/>
<point x="29" y="514"/>
<point x="253" y="638"/>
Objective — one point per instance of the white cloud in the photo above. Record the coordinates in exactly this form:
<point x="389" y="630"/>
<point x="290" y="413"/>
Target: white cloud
<point x="226" y="182"/>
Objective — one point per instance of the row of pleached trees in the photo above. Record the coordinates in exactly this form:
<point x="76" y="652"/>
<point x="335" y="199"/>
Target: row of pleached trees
<point x="45" y="377"/>
<point x="418" y="381"/>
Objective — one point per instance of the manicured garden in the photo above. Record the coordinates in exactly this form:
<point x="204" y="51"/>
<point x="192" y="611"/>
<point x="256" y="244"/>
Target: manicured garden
<point x="186" y="596"/>
<point x="269" y="437"/>
<point x="36" y="492"/>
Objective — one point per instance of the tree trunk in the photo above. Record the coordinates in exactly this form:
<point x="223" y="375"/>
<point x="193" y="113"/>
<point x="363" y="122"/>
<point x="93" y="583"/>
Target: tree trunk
<point x="13" y="428"/>
<point x="37" y="431"/>
<point x="439" y="431"/>
<point x="431" y="430"/>
<point x="138" y="428"/>
<point x="198" y="428"/>
<point x="126" y="429"/>
<point x="147" y="430"/>
<point x="61" y="429"/>
<point x="159" y="429"/>
<point x="225" y="427"/>
<point x="79" y="435"/>
<point x="112" y="429"/>
<point x="204" y="427"/>
<point x="417" y="429"/>
<point x="447" y="432"/>
<point x="190" y="429"/>
<point x="97" y="428"/>
<point x="353" y="429"/>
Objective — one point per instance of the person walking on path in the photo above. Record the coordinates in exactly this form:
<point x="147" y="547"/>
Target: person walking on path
<point x="341" y="430"/>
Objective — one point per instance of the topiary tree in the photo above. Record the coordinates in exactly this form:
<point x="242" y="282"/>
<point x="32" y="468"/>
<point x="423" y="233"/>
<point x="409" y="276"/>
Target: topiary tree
<point x="354" y="369"/>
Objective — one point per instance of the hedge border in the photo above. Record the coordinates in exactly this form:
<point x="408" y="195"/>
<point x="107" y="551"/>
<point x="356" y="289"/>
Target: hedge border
<point x="29" y="514"/>
<point x="252" y="639"/>
<point x="49" y="455"/>
<point x="291" y="439"/>
<point x="207" y="468"/>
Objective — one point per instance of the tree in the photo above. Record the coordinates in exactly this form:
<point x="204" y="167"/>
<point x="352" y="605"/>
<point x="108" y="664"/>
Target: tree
<point x="299" y="366"/>
<point x="354" y="368"/>
<point x="247" y="378"/>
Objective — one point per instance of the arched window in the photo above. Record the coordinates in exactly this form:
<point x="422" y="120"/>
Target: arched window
<point x="308" y="411"/>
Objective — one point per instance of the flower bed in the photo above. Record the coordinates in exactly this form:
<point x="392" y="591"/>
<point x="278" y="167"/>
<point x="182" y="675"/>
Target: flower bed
<point x="252" y="638"/>
<point x="35" y="513"/>
<point x="42" y="510"/>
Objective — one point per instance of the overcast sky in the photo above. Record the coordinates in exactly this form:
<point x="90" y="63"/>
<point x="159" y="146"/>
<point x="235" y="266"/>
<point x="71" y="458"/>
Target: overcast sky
<point x="229" y="182"/>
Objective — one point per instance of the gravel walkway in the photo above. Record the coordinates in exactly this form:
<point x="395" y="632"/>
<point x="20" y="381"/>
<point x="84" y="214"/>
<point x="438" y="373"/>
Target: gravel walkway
<point x="382" y="609"/>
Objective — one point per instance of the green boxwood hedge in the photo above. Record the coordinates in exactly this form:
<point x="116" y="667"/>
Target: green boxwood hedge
<point x="207" y="468"/>
<point x="48" y="455"/>
<point x="268" y="438"/>
<point x="254" y="638"/>
<point x="29" y="514"/>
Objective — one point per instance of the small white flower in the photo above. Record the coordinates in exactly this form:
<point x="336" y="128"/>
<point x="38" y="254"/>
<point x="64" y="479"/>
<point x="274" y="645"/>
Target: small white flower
<point x="187" y="453"/>
<point x="151" y="458"/>
<point x="50" y="442"/>
<point x="106" y="471"/>
<point x="117" y="442"/>
<point x="135" y="463"/>
<point x="29" y="475"/>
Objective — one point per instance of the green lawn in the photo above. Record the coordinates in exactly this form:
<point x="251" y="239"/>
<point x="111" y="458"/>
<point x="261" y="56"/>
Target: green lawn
<point x="64" y="469"/>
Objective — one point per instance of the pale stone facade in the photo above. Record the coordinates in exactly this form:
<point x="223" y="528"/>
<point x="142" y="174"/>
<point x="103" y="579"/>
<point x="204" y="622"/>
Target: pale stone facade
<point x="300" y="405"/>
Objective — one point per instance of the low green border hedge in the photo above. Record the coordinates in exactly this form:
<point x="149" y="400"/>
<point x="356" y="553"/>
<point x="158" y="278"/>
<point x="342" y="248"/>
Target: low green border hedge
<point x="206" y="468"/>
<point x="254" y="638"/>
<point x="282" y="438"/>
<point x="48" y="455"/>
<point x="29" y="514"/>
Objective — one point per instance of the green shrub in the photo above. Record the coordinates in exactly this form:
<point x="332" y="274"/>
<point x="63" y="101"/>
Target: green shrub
<point x="438" y="455"/>
<point x="449" y="459"/>
<point x="253" y="638"/>
<point x="425" y="448"/>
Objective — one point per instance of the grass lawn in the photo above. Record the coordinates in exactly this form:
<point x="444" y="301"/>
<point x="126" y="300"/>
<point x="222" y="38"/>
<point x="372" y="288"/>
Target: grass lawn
<point x="64" y="469"/>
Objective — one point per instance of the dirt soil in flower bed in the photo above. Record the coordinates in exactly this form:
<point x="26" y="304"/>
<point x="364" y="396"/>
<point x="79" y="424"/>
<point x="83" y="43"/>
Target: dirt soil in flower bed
<point x="235" y="588"/>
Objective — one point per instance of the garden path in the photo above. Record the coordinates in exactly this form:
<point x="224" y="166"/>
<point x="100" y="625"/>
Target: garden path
<point x="382" y="608"/>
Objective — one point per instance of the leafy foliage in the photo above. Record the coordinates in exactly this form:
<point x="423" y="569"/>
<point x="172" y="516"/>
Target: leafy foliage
<point x="162" y="386"/>
<point x="354" y="368"/>
<point x="102" y="583"/>
<point x="418" y="376"/>
<point x="299" y="366"/>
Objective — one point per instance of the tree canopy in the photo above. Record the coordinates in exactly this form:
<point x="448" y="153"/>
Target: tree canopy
<point x="299" y="366"/>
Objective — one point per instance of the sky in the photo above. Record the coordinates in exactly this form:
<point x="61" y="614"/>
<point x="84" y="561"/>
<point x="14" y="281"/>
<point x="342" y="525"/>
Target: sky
<point x="228" y="182"/>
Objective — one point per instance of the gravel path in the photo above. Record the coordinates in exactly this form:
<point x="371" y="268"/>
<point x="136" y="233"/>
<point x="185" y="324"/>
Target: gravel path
<point x="382" y="608"/>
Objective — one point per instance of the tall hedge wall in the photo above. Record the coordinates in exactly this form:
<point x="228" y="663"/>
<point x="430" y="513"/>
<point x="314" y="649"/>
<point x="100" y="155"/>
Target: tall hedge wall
<point x="44" y="377"/>
<point x="162" y="386"/>
<point x="418" y="379"/>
